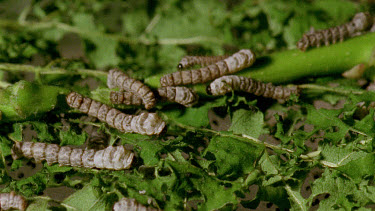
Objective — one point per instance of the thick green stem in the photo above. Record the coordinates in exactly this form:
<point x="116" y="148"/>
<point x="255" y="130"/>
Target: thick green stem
<point x="287" y="66"/>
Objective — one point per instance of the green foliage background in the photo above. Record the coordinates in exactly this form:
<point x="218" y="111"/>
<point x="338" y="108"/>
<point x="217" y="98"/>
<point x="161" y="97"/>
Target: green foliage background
<point x="192" y="167"/>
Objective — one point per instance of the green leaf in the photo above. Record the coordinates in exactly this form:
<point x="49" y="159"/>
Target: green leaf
<point x="247" y="122"/>
<point x="339" y="11"/>
<point x="296" y="200"/>
<point x="326" y="119"/>
<point x="70" y="137"/>
<point x="277" y="12"/>
<point x="5" y="146"/>
<point x="196" y="116"/>
<point x="342" y="192"/>
<point x="88" y="198"/>
<point x="104" y="53"/>
<point x="38" y="204"/>
<point x="233" y="158"/>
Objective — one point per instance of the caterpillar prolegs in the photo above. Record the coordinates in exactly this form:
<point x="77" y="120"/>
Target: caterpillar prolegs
<point x="12" y="201"/>
<point x="130" y="204"/>
<point x="361" y="22"/>
<point x="145" y="123"/>
<point x="189" y="61"/>
<point x="238" y="61"/>
<point x="117" y="78"/>
<point x="115" y="158"/>
<point x="226" y="84"/>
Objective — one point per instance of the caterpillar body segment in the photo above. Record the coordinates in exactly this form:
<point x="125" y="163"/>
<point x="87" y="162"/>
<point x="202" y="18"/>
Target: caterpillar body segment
<point x="114" y="158"/>
<point x="10" y="201"/>
<point x="130" y="204"/>
<point x="182" y="95"/>
<point x="145" y="123"/>
<point x="361" y="23"/>
<point x="126" y="98"/>
<point x="226" y="84"/>
<point x="117" y="78"/>
<point x="238" y="61"/>
<point x="189" y="61"/>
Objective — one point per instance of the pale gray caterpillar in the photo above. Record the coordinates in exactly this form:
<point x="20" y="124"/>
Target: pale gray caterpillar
<point x="145" y="123"/>
<point x="12" y="201"/>
<point x="126" y="98"/>
<point x="117" y="78"/>
<point x="131" y="204"/>
<point x="189" y="61"/>
<point x="238" y="61"/>
<point x="226" y="84"/>
<point x="182" y="95"/>
<point x="115" y="158"/>
<point x="360" y="23"/>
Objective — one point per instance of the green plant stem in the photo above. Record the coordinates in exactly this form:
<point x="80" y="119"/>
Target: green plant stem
<point x="329" y="89"/>
<point x="35" y="26"/>
<point x="290" y="65"/>
<point x="50" y="71"/>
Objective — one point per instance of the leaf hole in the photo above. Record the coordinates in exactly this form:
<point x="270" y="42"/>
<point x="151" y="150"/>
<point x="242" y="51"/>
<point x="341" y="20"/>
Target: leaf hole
<point x="269" y="204"/>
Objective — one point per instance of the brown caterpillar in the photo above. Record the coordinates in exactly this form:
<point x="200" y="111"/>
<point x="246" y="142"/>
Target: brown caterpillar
<point x="361" y="22"/>
<point x="181" y="95"/>
<point x="131" y="204"/>
<point x="189" y="61"/>
<point x="115" y="158"/>
<point x="238" y="61"/>
<point x="12" y="201"/>
<point x="226" y="84"/>
<point x="145" y="123"/>
<point x="117" y="78"/>
<point x="126" y="98"/>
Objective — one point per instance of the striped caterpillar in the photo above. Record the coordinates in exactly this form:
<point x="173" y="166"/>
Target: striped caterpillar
<point x="127" y="98"/>
<point x="145" y="123"/>
<point x="115" y="158"/>
<point x="361" y="22"/>
<point x="117" y="78"/>
<point x="189" y="61"/>
<point x="226" y="84"/>
<point x="12" y="201"/>
<point x="130" y="204"/>
<point x="238" y="61"/>
<point x="182" y="95"/>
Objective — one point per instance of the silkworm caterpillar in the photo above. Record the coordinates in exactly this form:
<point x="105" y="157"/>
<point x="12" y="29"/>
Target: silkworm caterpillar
<point x="238" y="61"/>
<point x="115" y="158"/>
<point x="226" y="84"/>
<point x="189" y="61"/>
<point x="182" y="95"/>
<point x="12" y="201"/>
<point x="117" y="78"/>
<point x="361" y="22"/>
<point x="130" y="204"/>
<point x="127" y="98"/>
<point x="145" y="123"/>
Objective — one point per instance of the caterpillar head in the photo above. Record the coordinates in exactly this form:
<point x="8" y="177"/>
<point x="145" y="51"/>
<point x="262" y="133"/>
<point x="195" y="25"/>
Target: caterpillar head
<point x="362" y="21"/>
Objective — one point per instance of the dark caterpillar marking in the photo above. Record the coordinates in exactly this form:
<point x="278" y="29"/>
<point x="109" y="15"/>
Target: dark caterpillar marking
<point x="360" y="23"/>
<point x="238" y="61"/>
<point x="117" y="78"/>
<point x="182" y="95"/>
<point x="226" y="84"/>
<point x="145" y="123"/>
<point x="189" y="61"/>
<point x="116" y="158"/>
